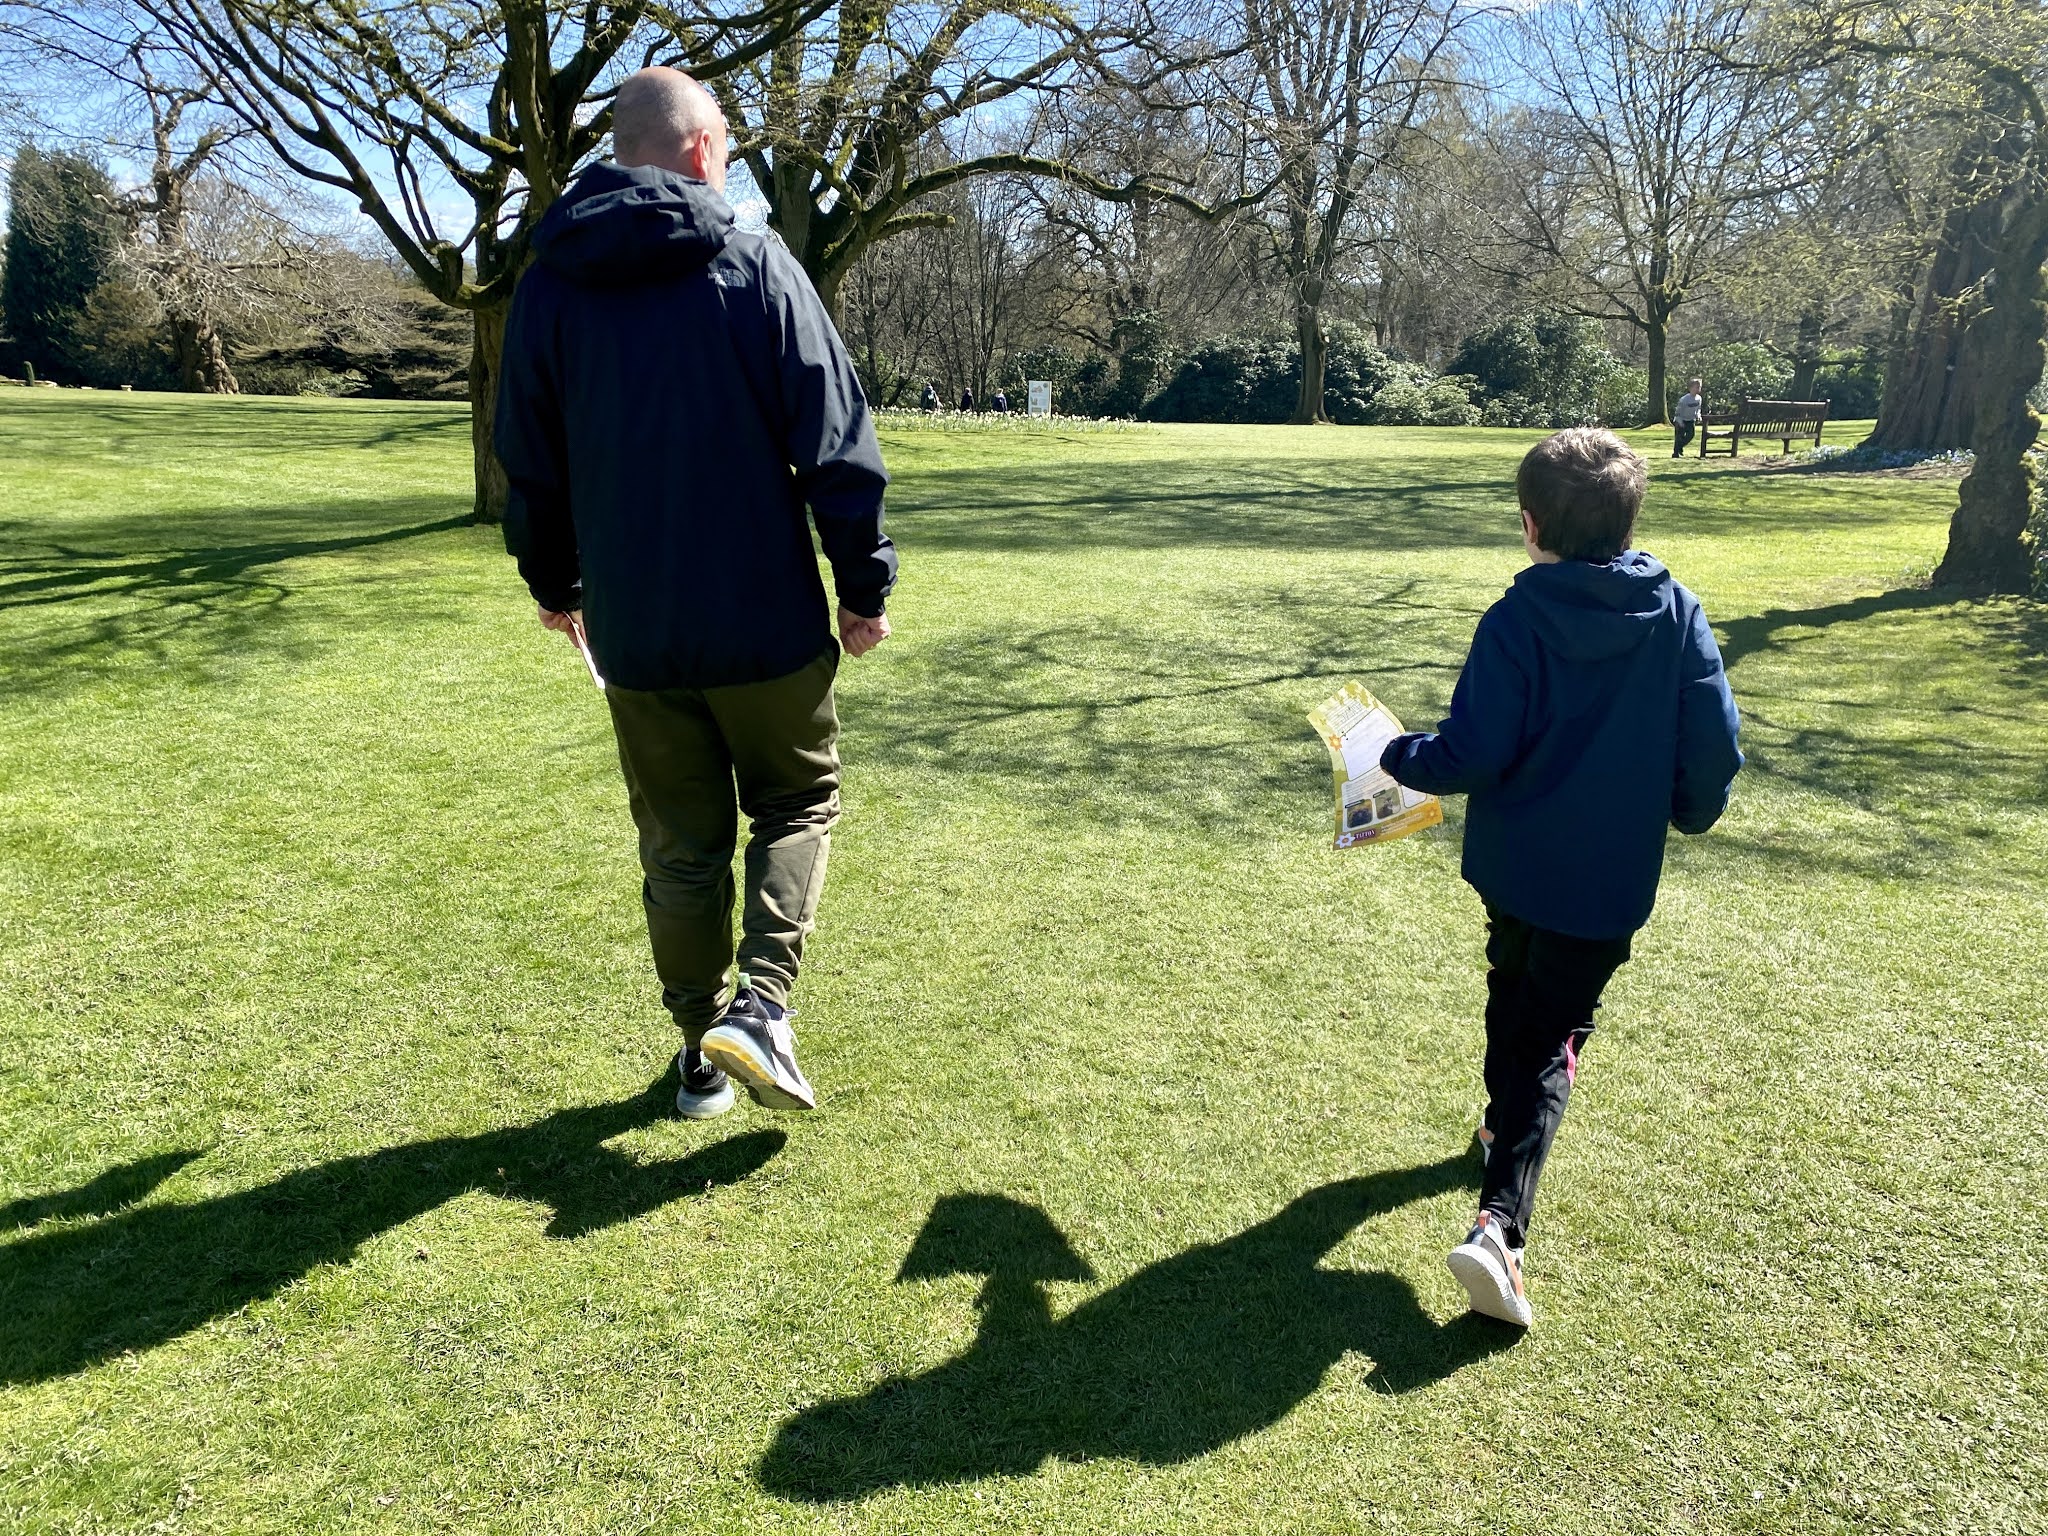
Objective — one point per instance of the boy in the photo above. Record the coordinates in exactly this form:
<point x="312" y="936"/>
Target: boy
<point x="1686" y="420"/>
<point x="1592" y="712"/>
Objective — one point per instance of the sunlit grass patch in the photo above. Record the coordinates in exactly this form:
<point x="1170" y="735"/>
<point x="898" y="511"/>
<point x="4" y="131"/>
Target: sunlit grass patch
<point x="337" y="1194"/>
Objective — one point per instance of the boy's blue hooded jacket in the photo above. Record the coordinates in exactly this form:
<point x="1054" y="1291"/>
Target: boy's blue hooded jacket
<point x="1592" y="712"/>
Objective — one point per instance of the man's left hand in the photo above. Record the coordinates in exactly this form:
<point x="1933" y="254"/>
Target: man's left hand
<point x="859" y="634"/>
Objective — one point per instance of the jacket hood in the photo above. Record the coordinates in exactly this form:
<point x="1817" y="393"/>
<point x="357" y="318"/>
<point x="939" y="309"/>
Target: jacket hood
<point x="1588" y="612"/>
<point x="632" y="224"/>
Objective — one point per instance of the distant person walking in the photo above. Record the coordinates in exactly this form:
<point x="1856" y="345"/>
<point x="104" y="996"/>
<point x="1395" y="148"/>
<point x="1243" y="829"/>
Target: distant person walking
<point x="674" y="396"/>
<point x="930" y="400"/>
<point x="967" y="398"/>
<point x="1001" y="404"/>
<point x="1686" y="419"/>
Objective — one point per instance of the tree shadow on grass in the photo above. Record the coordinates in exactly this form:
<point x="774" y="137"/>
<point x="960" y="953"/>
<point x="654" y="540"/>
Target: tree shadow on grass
<point x="1768" y="631"/>
<point x="1133" y="725"/>
<point x="1930" y="748"/>
<point x="241" y="426"/>
<point x="74" y="1295"/>
<point x="63" y="575"/>
<point x="1278" y="505"/>
<point x="1183" y="1358"/>
<point x="1343" y="506"/>
<point x="93" y="606"/>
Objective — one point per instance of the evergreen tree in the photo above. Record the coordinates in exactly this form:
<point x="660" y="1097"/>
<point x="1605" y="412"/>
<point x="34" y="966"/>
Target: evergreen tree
<point x="62" y="235"/>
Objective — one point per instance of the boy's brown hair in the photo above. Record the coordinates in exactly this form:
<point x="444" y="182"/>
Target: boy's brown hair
<point x="1582" y="488"/>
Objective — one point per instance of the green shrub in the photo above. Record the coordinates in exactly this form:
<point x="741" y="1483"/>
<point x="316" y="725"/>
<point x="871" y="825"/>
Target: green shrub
<point x="1555" y="364"/>
<point x="1448" y="402"/>
<point x="1403" y="403"/>
<point x="1080" y="381"/>
<point x="1514" y="410"/>
<point x="1620" y="398"/>
<point x="1231" y="378"/>
<point x="1355" y="374"/>
<point x="118" y="338"/>
<point x="1146" y="359"/>
<point x="1851" y="384"/>
<point x="1735" y="371"/>
<point x="1253" y="378"/>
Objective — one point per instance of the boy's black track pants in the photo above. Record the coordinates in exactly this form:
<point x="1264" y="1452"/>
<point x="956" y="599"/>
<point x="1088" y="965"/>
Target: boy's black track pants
<point x="1541" y="992"/>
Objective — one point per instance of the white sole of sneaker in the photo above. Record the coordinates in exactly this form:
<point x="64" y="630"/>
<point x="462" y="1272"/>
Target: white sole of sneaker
<point x="705" y="1106"/>
<point x="1487" y="1286"/>
<point x="741" y="1060"/>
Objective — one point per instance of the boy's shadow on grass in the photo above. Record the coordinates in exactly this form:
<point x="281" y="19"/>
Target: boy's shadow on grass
<point x="1181" y="1359"/>
<point x="71" y="1296"/>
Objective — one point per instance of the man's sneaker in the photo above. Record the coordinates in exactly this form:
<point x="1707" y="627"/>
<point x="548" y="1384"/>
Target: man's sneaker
<point x="1491" y="1272"/>
<point x="755" y="1044"/>
<point x="1485" y="1143"/>
<point x="705" y="1093"/>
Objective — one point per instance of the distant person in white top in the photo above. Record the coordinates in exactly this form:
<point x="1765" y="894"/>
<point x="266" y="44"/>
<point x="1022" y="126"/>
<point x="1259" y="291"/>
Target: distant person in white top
<point x="1686" y="419"/>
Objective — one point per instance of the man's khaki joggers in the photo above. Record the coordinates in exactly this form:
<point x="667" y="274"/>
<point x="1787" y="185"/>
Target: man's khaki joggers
<point x="693" y="759"/>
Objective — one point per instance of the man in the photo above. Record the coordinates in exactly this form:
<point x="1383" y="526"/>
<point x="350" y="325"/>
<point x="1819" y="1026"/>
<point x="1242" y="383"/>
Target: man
<point x="1686" y="419"/>
<point x="673" y="396"/>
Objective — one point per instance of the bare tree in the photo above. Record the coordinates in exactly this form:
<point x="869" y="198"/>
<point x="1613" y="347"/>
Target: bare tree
<point x="451" y="128"/>
<point x="1102" y="265"/>
<point x="852" y="127"/>
<point x="1331" y="90"/>
<point x="1416" y="274"/>
<point x="194" y="287"/>
<point x="890" y="309"/>
<point x="143" y="99"/>
<point x="1648" y="142"/>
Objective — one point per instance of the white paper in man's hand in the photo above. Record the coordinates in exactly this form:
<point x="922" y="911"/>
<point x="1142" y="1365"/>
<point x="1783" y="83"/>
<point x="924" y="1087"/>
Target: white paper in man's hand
<point x="583" y="645"/>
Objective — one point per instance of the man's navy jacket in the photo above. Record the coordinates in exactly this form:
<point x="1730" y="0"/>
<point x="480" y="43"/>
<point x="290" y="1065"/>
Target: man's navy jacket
<point x="672" y="396"/>
<point x="1593" y="712"/>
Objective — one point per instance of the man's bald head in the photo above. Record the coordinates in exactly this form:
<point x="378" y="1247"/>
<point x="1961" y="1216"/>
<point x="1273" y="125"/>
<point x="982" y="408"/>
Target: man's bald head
<point x="663" y="117"/>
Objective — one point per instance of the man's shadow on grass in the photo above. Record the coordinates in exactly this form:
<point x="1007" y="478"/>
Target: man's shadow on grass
<point x="1186" y="1356"/>
<point x="73" y="1295"/>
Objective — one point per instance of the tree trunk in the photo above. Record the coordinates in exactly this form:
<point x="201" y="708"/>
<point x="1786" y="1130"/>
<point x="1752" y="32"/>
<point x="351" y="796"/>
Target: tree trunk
<point x="1806" y="354"/>
<point x="1314" y="345"/>
<point x="829" y="284"/>
<point x="1929" y="399"/>
<point x="1657" y="330"/>
<point x="203" y="367"/>
<point x="1986" y="550"/>
<point x="485" y="350"/>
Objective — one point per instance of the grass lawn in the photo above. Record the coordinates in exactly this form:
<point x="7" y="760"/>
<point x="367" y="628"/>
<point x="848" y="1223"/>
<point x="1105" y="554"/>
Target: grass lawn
<point x="335" y="1195"/>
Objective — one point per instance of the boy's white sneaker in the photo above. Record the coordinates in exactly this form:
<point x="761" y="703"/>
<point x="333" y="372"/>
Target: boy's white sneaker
<point x="1491" y="1273"/>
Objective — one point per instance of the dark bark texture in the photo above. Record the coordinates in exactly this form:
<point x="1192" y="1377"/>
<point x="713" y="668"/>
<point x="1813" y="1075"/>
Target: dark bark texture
<point x="487" y="347"/>
<point x="1930" y="395"/>
<point x="1986" y="537"/>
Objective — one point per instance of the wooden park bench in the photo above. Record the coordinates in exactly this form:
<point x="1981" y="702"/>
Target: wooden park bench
<point x="1782" y="419"/>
